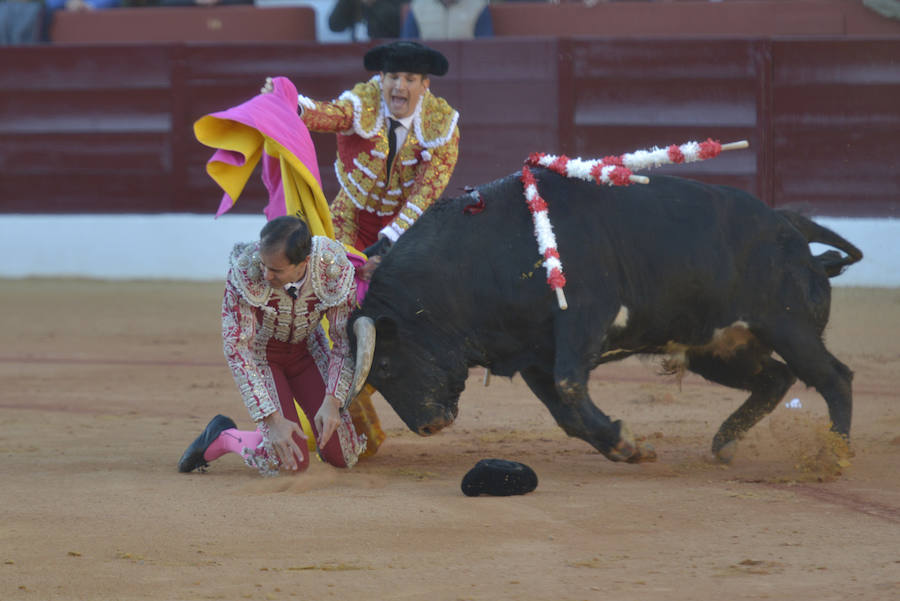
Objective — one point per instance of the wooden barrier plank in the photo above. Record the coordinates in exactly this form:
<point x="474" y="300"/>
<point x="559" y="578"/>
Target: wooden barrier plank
<point x="690" y="18"/>
<point x="507" y="97"/>
<point x="185" y="24"/>
<point x="639" y="93"/>
<point x="837" y="125"/>
<point x="87" y="129"/>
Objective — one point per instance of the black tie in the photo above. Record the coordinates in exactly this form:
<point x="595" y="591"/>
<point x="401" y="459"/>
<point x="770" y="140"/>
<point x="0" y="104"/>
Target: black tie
<point x="292" y="291"/>
<point x="392" y="145"/>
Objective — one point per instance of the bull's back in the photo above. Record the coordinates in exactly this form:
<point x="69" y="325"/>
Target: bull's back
<point x="671" y="228"/>
<point x="671" y="242"/>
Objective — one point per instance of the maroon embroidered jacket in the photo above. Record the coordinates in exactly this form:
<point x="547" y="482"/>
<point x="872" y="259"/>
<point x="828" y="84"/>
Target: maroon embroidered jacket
<point x="421" y="169"/>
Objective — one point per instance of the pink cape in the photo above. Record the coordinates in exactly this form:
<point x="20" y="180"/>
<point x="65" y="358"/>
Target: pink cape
<point x="275" y="116"/>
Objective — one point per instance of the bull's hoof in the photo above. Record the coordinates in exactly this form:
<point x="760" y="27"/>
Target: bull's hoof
<point x="626" y="447"/>
<point x="726" y="452"/>
<point x="645" y="453"/>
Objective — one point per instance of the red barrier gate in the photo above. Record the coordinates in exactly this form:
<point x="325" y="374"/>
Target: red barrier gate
<point x="107" y="129"/>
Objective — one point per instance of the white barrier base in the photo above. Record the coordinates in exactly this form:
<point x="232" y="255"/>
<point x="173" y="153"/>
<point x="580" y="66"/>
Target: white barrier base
<point x="122" y="247"/>
<point x="196" y="247"/>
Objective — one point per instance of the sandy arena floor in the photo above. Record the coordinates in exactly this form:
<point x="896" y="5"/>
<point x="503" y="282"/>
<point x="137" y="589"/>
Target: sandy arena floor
<point x="104" y="384"/>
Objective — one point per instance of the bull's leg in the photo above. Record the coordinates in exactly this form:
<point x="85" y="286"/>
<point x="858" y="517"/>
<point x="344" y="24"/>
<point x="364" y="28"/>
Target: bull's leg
<point x="805" y="353"/>
<point x="766" y="379"/>
<point x="577" y="415"/>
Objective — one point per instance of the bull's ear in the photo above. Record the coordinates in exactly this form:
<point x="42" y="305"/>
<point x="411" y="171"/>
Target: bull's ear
<point x="386" y="328"/>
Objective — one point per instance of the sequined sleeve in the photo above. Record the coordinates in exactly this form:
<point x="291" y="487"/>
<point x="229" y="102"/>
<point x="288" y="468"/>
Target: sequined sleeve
<point x="333" y="117"/>
<point x="428" y="187"/>
<point x="340" y="361"/>
<point x="250" y="370"/>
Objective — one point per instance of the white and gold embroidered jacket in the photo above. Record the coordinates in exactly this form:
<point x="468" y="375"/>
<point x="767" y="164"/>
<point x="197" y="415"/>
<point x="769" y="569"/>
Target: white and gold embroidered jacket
<point x="253" y="313"/>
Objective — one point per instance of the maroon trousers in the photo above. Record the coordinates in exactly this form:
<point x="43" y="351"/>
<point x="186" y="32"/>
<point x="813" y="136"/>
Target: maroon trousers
<point x="297" y="377"/>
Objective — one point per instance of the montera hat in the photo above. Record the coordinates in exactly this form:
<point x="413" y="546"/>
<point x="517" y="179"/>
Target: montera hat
<point x="500" y="478"/>
<point x="405" y="56"/>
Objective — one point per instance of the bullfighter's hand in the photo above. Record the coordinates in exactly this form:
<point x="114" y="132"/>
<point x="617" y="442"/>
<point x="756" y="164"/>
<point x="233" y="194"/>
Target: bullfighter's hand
<point x="365" y="272"/>
<point x="328" y="418"/>
<point x="283" y="434"/>
<point x="268" y="87"/>
<point x="379" y="247"/>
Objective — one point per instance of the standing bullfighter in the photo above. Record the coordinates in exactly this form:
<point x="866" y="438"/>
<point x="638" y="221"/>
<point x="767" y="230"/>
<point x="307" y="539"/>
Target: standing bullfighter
<point x="397" y="143"/>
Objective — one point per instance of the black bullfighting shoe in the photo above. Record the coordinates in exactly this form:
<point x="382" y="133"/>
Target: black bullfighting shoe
<point x="500" y="478"/>
<point x="193" y="456"/>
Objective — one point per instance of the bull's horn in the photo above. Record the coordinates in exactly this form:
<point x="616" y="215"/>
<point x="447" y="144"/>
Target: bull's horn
<point x="364" y="328"/>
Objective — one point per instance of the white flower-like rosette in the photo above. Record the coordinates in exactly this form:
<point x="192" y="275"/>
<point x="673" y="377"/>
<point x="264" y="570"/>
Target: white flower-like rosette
<point x="609" y="171"/>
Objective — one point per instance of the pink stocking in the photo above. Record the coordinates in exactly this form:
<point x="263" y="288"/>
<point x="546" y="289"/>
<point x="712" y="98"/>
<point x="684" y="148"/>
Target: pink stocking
<point x="233" y="441"/>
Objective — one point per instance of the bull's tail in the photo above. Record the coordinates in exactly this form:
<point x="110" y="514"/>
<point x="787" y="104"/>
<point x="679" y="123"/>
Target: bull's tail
<point x="832" y="261"/>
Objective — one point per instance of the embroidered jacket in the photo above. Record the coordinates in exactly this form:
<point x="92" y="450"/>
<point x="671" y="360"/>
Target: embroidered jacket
<point x="421" y="168"/>
<point x="254" y="313"/>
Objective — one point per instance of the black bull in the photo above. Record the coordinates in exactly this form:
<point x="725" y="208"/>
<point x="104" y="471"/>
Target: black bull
<point x="707" y="275"/>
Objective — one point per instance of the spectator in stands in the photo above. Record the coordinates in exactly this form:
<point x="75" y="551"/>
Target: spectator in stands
<point x="20" y="22"/>
<point x="81" y="5"/>
<point x="885" y="8"/>
<point x="202" y="2"/>
<point x="448" y="20"/>
<point x="382" y="17"/>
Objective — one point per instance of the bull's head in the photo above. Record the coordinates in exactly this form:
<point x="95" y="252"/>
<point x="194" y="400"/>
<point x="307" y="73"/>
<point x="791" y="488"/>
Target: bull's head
<point x="422" y="388"/>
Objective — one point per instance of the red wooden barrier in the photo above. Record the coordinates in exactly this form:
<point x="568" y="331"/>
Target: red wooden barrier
<point x="636" y="93"/>
<point x="96" y="129"/>
<point x="185" y="24"/>
<point x="691" y="18"/>
<point x="836" y="125"/>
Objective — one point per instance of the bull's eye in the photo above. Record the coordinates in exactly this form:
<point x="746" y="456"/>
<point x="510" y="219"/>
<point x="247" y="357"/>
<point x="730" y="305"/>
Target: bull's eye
<point x="383" y="367"/>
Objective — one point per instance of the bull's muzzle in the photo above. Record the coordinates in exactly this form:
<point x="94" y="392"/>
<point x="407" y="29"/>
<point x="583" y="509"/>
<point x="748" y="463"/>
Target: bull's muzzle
<point x="364" y="329"/>
<point x="439" y="417"/>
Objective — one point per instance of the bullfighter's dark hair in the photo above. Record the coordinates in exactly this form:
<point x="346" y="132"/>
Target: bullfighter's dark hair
<point x="289" y="233"/>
